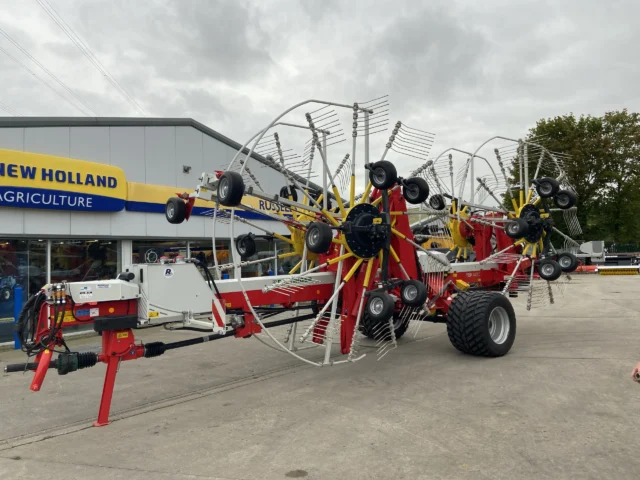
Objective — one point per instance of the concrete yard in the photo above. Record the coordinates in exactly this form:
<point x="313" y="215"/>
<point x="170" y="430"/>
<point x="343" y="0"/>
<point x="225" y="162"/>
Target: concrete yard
<point x="560" y="405"/>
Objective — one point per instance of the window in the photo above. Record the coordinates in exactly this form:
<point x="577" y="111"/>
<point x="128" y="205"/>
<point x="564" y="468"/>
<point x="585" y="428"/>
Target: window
<point x="264" y="250"/>
<point x="83" y="260"/>
<point x="150" y="251"/>
<point x="22" y="263"/>
<point x="286" y="264"/>
<point x="203" y="251"/>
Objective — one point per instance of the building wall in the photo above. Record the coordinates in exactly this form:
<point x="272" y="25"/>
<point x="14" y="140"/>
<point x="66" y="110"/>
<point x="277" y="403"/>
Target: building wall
<point x="147" y="154"/>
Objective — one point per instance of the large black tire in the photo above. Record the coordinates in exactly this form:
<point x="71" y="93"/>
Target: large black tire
<point x="549" y="270"/>
<point x="437" y="202"/>
<point x="383" y="175"/>
<point x="373" y="330"/>
<point x="318" y="237"/>
<point x="473" y="330"/>
<point x="415" y="190"/>
<point x="547" y="187"/>
<point x="568" y="262"/>
<point x="565" y="199"/>
<point x="517" y="228"/>
<point x="230" y="189"/>
<point x="246" y="246"/>
<point x="175" y="210"/>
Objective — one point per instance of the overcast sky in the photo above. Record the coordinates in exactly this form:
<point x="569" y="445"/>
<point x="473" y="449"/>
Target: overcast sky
<point x="465" y="70"/>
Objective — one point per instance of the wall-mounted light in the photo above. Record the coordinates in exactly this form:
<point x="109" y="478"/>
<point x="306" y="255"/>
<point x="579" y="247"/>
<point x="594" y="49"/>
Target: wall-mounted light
<point x="186" y="168"/>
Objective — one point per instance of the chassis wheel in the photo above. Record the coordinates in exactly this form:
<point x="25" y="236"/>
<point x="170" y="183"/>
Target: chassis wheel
<point x="517" y="228"/>
<point x="413" y="293"/>
<point x="376" y="331"/>
<point x="415" y="190"/>
<point x="383" y="175"/>
<point x="175" y="210"/>
<point x="318" y="237"/>
<point x="565" y="199"/>
<point x="437" y="202"/>
<point x="246" y="245"/>
<point x="549" y="270"/>
<point x="481" y="323"/>
<point x="230" y="189"/>
<point x="547" y="187"/>
<point x="568" y="262"/>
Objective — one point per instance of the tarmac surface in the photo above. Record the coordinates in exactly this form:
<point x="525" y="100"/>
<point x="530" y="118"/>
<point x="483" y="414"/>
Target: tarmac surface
<point x="560" y="405"/>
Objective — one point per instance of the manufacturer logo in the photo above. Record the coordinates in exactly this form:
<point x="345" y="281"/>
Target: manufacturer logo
<point x="168" y="272"/>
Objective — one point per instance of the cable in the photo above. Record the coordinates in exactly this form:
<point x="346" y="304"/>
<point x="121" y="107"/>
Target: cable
<point x="19" y="47"/>
<point x="9" y="110"/>
<point x="87" y="53"/>
<point x="41" y="79"/>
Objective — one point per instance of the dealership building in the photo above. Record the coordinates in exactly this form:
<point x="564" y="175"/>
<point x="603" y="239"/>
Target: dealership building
<point x="81" y="197"/>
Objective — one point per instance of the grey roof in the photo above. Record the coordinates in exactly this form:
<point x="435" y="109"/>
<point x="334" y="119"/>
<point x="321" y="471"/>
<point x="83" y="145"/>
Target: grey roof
<point x="38" y="122"/>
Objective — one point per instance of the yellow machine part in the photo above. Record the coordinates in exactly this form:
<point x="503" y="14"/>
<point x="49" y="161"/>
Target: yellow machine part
<point x="619" y="271"/>
<point x="439" y="243"/>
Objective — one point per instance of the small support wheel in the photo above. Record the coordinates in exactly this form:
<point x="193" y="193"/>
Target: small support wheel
<point x="437" y="202"/>
<point x="380" y="307"/>
<point x="568" y="262"/>
<point x="415" y="190"/>
<point x="372" y="329"/>
<point x="547" y="187"/>
<point x="246" y="245"/>
<point x="565" y="199"/>
<point x="549" y="270"/>
<point x="175" y="210"/>
<point x="517" y="228"/>
<point x="289" y="193"/>
<point x="383" y="175"/>
<point x="413" y="293"/>
<point x="318" y="237"/>
<point x="481" y="323"/>
<point x="230" y="189"/>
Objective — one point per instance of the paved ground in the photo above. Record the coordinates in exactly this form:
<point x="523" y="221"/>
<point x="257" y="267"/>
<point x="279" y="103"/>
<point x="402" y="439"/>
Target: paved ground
<point x="561" y="405"/>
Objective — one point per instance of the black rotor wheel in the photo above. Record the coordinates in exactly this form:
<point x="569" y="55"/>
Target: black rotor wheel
<point x="365" y="233"/>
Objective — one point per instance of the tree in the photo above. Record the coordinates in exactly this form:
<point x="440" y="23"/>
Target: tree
<point x="602" y="160"/>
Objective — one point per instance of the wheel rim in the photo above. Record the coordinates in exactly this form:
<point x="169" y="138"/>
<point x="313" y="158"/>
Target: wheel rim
<point x="546" y="188"/>
<point x="410" y="293"/>
<point x="6" y="294"/>
<point x="314" y="237"/>
<point x="563" y="200"/>
<point x="171" y="210"/>
<point x="499" y="325"/>
<point x="412" y="192"/>
<point x="241" y="249"/>
<point x="224" y="188"/>
<point x="565" y="262"/>
<point x="512" y="228"/>
<point x="379" y="176"/>
<point x="547" y="269"/>
<point x="376" y="305"/>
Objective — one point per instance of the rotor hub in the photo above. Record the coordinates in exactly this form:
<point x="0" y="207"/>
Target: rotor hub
<point x="365" y="230"/>
<point x="536" y="225"/>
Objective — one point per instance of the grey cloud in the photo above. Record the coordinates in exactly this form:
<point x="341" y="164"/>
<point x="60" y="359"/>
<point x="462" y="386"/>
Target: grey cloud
<point x="464" y="69"/>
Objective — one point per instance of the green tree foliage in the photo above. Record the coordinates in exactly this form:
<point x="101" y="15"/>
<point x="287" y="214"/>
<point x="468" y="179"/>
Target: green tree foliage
<point x="603" y="164"/>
